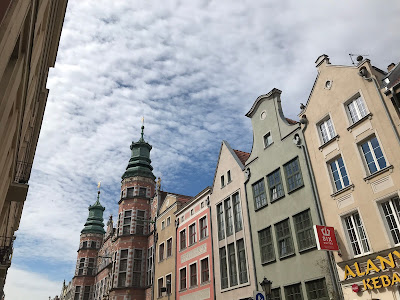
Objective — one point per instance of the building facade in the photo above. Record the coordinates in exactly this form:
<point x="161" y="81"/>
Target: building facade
<point x="29" y="36"/>
<point x="352" y="131"/>
<point x="232" y="246"/>
<point x="194" y="259"/>
<point x="283" y="207"/>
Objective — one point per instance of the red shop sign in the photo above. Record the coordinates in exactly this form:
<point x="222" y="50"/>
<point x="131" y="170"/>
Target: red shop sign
<point x="326" y="239"/>
<point x="355" y="288"/>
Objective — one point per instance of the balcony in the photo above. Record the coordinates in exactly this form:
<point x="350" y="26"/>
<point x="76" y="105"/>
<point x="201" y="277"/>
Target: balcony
<point x="6" y="250"/>
<point x="22" y="172"/>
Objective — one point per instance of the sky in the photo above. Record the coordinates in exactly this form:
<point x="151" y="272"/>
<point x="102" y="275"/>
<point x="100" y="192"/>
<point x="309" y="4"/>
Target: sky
<point x="192" y="69"/>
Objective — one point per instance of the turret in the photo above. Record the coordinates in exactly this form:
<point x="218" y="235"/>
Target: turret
<point x="94" y="222"/>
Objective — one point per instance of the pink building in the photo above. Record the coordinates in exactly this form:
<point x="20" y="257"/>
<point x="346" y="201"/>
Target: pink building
<point x="194" y="270"/>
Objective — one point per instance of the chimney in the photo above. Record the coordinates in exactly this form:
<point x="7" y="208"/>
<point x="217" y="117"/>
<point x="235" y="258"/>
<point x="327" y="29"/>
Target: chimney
<point x="390" y="67"/>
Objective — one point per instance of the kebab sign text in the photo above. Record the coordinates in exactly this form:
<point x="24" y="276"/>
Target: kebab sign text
<point x="377" y="281"/>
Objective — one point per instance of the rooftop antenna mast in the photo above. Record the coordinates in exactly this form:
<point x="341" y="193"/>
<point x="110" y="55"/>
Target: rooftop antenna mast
<point x="359" y="58"/>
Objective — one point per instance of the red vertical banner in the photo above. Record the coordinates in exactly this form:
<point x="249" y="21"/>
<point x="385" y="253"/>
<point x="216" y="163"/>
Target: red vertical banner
<point x="326" y="239"/>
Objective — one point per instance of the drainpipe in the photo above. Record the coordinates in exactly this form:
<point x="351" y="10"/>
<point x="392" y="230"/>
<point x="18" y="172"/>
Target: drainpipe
<point x="212" y="243"/>
<point x="248" y="174"/>
<point x="332" y="268"/>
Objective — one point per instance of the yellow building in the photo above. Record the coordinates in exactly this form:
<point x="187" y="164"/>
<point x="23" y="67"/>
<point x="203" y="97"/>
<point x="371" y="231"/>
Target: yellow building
<point x="352" y="132"/>
<point x="29" y="36"/>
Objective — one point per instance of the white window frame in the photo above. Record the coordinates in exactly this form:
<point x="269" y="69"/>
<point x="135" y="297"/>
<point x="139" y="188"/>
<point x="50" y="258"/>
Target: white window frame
<point x="166" y="249"/>
<point x="180" y="243"/>
<point x="168" y="221"/>
<point x="267" y="139"/>
<point x="335" y="160"/>
<point x="358" y="112"/>
<point x="326" y="126"/>
<point x="186" y="278"/>
<point x="195" y="235"/>
<point x="368" y="140"/>
<point x="396" y="217"/>
<point x="159" y="247"/>
<point x="201" y="270"/>
<point x="357" y="234"/>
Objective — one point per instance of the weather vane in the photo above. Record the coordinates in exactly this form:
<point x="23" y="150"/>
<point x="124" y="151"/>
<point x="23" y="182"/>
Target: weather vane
<point x="142" y="120"/>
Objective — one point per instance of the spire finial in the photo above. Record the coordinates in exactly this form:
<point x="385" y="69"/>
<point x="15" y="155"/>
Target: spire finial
<point x="142" y="138"/>
<point x="98" y="191"/>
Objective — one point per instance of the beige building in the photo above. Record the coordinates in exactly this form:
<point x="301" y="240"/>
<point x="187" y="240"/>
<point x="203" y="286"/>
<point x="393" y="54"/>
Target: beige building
<point x="165" y="248"/>
<point x="352" y="132"/>
<point x="29" y="37"/>
<point x="232" y="245"/>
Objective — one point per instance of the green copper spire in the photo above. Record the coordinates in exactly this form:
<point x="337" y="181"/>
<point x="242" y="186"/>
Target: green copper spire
<point x="140" y="163"/>
<point x="94" y="223"/>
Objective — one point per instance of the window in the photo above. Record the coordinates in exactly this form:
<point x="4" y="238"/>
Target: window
<point x="137" y="267"/>
<point x="237" y="212"/>
<point x="391" y="211"/>
<point x="259" y="194"/>
<point x="123" y="266"/>
<point x="129" y="192"/>
<point x="284" y="238"/>
<point x="316" y="290"/>
<point x="86" y="293"/>
<point x="90" y="270"/>
<point x="356" y="234"/>
<point x="232" y="265"/>
<point x="326" y="130"/>
<point x="339" y="174"/>
<point x="293" y="292"/>
<point x="140" y="222"/>
<point x="228" y="175"/>
<point x="193" y="275"/>
<point x="169" y="247"/>
<point x="77" y="292"/>
<point x="223" y="268"/>
<point x="304" y="230"/>
<point x="266" y="245"/>
<point x="373" y="155"/>
<point x="220" y="220"/>
<point x="93" y="244"/>
<point x="275" y="185"/>
<point x="149" y="276"/>
<point x="241" y="256"/>
<point x="205" y="271"/>
<point x="84" y="245"/>
<point x="160" y="285"/>
<point x="168" y="221"/>
<point x="192" y="234"/>
<point x="192" y="212"/>
<point x="222" y="181"/>
<point x="162" y="225"/>
<point x="182" y="273"/>
<point x="293" y="175"/>
<point x="202" y="204"/>
<point x="142" y="192"/>
<point x="182" y="238"/>
<point x="161" y="252"/>
<point x="81" y="266"/>
<point x="267" y="140"/>
<point x="228" y="217"/>
<point x="356" y="109"/>
<point x="203" y="227"/>
<point x="168" y="283"/>
<point x="276" y="294"/>
<point x="126" y="228"/>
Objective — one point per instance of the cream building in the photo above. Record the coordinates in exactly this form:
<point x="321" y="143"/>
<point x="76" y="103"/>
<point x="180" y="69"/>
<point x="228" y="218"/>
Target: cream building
<point x="29" y="36"/>
<point x="352" y="132"/>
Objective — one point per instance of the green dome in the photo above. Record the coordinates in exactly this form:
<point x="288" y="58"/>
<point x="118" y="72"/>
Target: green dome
<point x="94" y="222"/>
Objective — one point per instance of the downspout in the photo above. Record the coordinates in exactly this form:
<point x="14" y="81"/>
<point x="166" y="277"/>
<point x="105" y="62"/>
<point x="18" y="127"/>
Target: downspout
<point x="332" y="269"/>
<point x="248" y="174"/>
<point x="212" y="244"/>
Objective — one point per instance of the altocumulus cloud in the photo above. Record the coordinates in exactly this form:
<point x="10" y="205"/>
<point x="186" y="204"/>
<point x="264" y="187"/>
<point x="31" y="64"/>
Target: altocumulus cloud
<point x="193" y="69"/>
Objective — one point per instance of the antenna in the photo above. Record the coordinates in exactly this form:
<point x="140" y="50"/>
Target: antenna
<point x="359" y="58"/>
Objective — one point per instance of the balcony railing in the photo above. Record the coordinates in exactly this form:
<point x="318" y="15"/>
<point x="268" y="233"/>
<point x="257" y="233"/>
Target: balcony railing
<point x="6" y="249"/>
<point x="22" y="172"/>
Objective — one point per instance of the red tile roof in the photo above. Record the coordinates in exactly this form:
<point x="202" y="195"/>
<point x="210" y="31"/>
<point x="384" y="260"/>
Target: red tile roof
<point x="243" y="156"/>
<point x="290" y="121"/>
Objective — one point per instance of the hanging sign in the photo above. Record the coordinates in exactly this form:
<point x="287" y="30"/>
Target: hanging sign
<point x="326" y="239"/>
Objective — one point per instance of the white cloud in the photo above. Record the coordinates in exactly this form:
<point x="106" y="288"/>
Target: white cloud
<point x="193" y="69"/>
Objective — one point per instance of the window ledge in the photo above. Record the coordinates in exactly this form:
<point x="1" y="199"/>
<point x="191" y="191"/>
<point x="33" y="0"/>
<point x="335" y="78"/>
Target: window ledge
<point x="368" y="116"/>
<point x="203" y="238"/>
<point x="261" y="207"/>
<point x="335" y="138"/>
<point x="268" y="262"/>
<point x="287" y="256"/>
<point x="182" y="290"/>
<point x="299" y="187"/>
<point x="269" y="145"/>
<point x="193" y="287"/>
<point x="381" y="171"/>
<point x="277" y="199"/>
<point x="305" y="250"/>
<point x="205" y="282"/>
<point x="351" y="186"/>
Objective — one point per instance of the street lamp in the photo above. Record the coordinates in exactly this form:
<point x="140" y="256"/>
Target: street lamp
<point x="266" y="286"/>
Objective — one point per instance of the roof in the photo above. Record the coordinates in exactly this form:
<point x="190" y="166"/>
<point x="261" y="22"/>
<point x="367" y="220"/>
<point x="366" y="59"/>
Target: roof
<point x="290" y="121"/>
<point x="243" y="156"/>
<point x="393" y="77"/>
<point x="259" y="99"/>
<point x="179" y="198"/>
<point x="194" y="199"/>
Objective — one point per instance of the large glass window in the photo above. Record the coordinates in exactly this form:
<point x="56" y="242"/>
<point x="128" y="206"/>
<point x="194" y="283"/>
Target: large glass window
<point x="326" y="130"/>
<point x="275" y="185"/>
<point x="220" y="219"/>
<point x="356" y="109"/>
<point x="356" y="234"/>
<point x="284" y="238"/>
<point x="391" y="211"/>
<point x="316" y="290"/>
<point x="339" y="174"/>
<point x="126" y="228"/>
<point x="373" y="155"/>
<point x="232" y="265"/>
<point x="137" y="267"/>
<point x="260" y="199"/>
<point x="304" y="230"/>
<point x="228" y="217"/>
<point x="241" y="256"/>
<point x="237" y="212"/>
<point x="192" y="234"/>
<point x="266" y="245"/>
<point x="223" y="268"/>
<point x="123" y="266"/>
<point x="294" y="178"/>
<point x="293" y="292"/>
